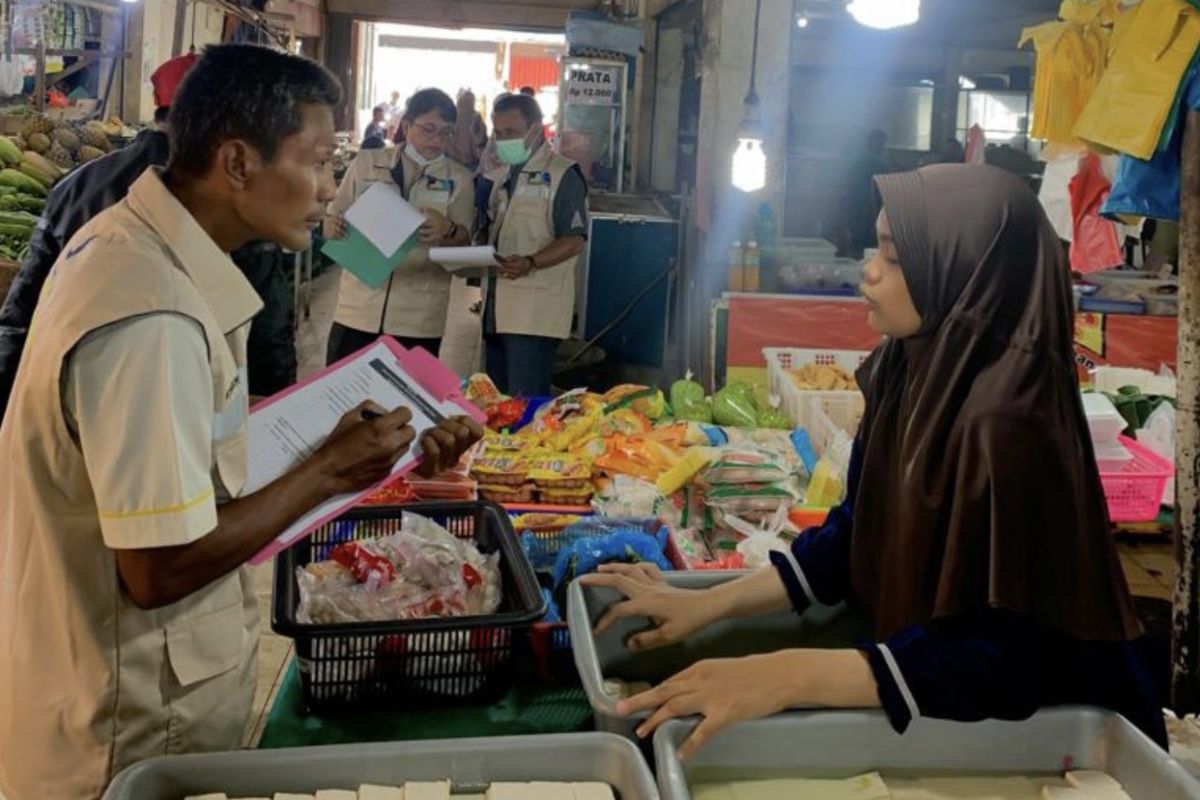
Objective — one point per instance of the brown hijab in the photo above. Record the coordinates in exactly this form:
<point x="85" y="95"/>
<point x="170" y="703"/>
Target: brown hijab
<point x="979" y="487"/>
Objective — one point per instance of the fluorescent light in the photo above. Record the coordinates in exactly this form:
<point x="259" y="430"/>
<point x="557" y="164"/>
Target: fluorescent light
<point x="749" y="164"/>
<point x="802" y="21"/>
<point x="885" y="13"/>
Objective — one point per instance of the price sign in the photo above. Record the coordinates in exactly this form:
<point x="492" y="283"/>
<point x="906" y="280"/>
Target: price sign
<point x="592" y="86"/>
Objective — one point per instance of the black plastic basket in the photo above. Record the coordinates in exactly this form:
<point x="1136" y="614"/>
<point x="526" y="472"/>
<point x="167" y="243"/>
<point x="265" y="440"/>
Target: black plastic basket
<point x="417" y="662"/>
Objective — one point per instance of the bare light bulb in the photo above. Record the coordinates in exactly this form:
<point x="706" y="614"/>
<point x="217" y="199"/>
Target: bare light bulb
<point x="802" y="21"/>
<point x="749" y="164"/>
<point x="885" y="14"/>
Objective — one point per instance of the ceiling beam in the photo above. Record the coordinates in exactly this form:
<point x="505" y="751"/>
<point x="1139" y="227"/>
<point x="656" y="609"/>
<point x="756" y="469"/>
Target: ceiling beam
<point x="524" y="14"/>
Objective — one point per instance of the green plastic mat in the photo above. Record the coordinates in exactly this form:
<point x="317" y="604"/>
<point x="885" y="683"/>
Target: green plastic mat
<point x="530" y="707"/>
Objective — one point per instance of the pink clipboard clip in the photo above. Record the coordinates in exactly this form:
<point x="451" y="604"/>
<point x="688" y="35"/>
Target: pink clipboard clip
<point x="432" y="376"/>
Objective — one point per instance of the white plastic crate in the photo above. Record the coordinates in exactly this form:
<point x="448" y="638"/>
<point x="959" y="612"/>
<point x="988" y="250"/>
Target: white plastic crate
<point x="844" y="408"/>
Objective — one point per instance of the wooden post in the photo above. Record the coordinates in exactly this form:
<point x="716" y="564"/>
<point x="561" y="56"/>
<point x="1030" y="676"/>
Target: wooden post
<point x="1185" y="688"/>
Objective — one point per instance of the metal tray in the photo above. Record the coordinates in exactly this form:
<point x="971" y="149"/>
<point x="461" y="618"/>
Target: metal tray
<point x="469" y="764"/>
<point x="843" y="743"/>
<point x="598" y="659"/>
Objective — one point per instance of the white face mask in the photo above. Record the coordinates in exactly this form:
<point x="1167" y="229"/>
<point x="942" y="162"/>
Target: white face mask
<point x="417" y="158"/>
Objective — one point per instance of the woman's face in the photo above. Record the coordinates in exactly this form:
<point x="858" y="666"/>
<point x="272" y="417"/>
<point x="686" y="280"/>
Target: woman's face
<point x="892" y="312"/>
<point x="429" y="134"/>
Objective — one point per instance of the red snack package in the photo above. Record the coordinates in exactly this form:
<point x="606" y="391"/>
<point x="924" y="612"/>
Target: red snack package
<point x="506" y="413"/>
<point x="364" y="562"/>
<point x="395" y="494"/>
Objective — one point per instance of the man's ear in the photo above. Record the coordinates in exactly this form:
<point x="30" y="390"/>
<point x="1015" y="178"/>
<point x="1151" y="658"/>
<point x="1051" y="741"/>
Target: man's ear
<point x="238" y="162"/>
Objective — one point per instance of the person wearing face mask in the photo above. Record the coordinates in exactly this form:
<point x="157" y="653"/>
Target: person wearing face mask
<point x="975" y="533"/>
<point x="537" y="219"/>
<point x="411" y="305"/>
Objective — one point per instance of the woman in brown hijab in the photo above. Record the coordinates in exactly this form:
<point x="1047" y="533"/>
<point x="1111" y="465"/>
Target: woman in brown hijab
<point x="974" y="533"/>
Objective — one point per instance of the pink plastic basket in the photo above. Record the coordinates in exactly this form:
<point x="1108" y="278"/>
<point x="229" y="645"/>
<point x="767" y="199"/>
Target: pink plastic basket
<point x="1135" y="491"/>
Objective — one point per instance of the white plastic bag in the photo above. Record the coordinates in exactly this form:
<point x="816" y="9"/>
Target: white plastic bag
<point x="1159" y="436"/>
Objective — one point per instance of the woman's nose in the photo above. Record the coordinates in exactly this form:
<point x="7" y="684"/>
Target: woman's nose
<point x="871" y="272"/>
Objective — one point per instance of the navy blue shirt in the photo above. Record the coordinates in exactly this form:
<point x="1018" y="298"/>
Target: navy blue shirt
<point x="991" y="665"/>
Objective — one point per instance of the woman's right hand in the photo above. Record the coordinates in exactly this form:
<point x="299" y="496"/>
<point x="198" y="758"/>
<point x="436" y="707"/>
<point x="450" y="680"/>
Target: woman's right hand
<point x="363" y="448"/>
<point x="677" y="613"/>
<point x="335" y="227"/>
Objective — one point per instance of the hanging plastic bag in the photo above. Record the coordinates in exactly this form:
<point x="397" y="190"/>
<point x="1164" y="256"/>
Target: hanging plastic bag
<point x="1095" y="245"/>
<point x="1136" y="94"/>
<point x="1159" y="436"/>
<point x="1055" y="193"/>
<point x="1071" y="55"/>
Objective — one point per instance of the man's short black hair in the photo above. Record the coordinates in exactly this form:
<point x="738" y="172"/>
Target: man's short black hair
<point x="246" y="92"/>
<point x="428" y="100"/>
<point x="528" y="107"/>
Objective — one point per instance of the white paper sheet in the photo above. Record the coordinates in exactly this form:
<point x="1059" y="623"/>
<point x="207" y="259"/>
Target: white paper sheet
<point x="383" y="216"/>
<point x="454" y="259"/>
<point x="283" y="434"/>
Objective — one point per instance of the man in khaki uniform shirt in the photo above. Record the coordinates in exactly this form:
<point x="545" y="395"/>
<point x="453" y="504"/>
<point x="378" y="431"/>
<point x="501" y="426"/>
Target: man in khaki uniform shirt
<point x="537" y="221"/>
<point x="127" y="621"/>
<point x="412" y="304"/>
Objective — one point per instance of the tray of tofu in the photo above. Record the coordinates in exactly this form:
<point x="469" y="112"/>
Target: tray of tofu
<point x="582" y="766"/>
<point x="1058" y="754"/>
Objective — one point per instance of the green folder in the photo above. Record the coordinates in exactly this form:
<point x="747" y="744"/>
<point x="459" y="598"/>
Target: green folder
<point x="356" y="253"/>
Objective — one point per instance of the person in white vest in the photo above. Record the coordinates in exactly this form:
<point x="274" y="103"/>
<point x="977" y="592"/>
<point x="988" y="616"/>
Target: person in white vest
<point x="128" y="620"/>
<point x="411" y="306"/>
<point x="537" y="219"/>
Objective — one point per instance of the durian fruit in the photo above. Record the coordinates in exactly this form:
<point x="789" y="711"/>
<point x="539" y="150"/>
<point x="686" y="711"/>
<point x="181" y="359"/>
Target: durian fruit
<point x="90" y="134"/>
<point x="88" y="153"/>
<point x="67" y="138"/>
<point x="61" y="156"/>
<point x="39" y="143"/>
<point x="36" y="123"/>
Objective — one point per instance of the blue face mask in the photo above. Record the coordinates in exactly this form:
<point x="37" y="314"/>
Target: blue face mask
<point x="512" y="151"/>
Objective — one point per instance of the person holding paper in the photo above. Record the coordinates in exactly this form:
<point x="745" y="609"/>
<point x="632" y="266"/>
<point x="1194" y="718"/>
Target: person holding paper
<point x="536" y="218"/>
<point x="128" y="622"/>
<point x="411" y="305"/>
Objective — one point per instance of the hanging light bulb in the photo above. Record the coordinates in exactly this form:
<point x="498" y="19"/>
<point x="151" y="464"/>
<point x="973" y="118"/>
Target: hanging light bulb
<point x="885" y="13"/>
<point x="749" y="159"/>
<point x="749" y="164"/>
<point x="802" y="21"/>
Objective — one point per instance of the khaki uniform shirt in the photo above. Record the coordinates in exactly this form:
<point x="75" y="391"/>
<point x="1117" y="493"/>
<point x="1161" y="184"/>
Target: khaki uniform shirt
<point x="521" y="223"/>
<point x="414" y="300"/>
<point x="126" y="429"/>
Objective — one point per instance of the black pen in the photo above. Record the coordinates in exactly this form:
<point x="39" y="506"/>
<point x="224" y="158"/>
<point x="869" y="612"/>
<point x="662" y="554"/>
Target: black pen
<point x="368" y="414"/>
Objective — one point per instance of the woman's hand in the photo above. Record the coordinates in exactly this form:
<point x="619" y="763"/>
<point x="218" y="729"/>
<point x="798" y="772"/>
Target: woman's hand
<point x="732" y="690"/>
<point x="723" y="691"/>
<point x="335" y="227"/>
<point x="443" y="446"/>
<point x="677" y="613"/>
<point x="434" y="229"/>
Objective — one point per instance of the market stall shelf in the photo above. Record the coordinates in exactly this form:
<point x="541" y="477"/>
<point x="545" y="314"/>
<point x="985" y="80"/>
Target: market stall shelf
<point x="469" y="764"/>
<point x="845" y="743"/>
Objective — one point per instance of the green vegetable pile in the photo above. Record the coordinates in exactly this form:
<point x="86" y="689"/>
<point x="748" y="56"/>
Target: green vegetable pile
<point x="25" y="181"/>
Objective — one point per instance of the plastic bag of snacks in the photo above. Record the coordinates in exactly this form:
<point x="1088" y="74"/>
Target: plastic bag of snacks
<point x="626" y="496"/>
<point x="643" y="399"/>
<point x="689" y="401"/>
<point x="420" y="572"/>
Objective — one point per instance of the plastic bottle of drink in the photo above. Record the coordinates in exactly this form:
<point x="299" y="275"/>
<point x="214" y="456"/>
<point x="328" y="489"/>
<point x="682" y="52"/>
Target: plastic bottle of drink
<point x="751" y="267"/>
<point x="737" y="267"/>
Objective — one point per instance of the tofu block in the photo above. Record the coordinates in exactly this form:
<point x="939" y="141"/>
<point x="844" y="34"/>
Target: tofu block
<point x="369" y="791"/>
<point x="529" y="791"/>
<point x="427" y="791"/>
<point x="1064" y="793"/>
<point x="592" y="791"/>
<point x="336" y="794"/>
<point x="1099" y="785"/>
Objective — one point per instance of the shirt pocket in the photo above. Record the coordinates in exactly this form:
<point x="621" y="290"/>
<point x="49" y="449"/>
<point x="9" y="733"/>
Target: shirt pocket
<point x="203" y="647"/>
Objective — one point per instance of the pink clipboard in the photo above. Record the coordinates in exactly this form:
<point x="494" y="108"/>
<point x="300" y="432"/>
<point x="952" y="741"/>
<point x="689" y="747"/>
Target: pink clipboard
<point x="430" y="374"/>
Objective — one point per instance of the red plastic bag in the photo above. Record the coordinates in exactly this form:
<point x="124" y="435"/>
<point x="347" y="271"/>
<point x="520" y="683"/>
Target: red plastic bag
<point x="1096" y="245"/>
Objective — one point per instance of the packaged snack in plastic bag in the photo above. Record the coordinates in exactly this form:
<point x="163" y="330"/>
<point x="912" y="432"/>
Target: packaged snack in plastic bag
<point x="543" y="523"/>
<point x="735" y="406"/>
<point x="746" y="498"/>
<point x="506" y="413"/>
<point x="745" y="466"/>
<point x="629" y="497"/>
<point x="421" y="572"/>
<point x="395" y="494"/>
<point x="504" y="469"/>
<point x="508" y="494"/>
<point x="578" y="496"/>
<point x="571" y="431"/>
<point x="674" y="479"/>
<point x="482" y="391"/>
<point x="645" y="400"/>
<point x="625" y="421"/>
<point x="559" y="472"/>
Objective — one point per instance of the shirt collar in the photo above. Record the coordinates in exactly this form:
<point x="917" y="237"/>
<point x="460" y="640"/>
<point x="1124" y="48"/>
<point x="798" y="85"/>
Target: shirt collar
<point x="228" y="295"/>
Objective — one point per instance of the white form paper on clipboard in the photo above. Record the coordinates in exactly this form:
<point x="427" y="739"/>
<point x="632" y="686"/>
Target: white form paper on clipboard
<point x="383" y="216"/>
<point x="464" y="262"/>
<point x="283" y="432"/>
